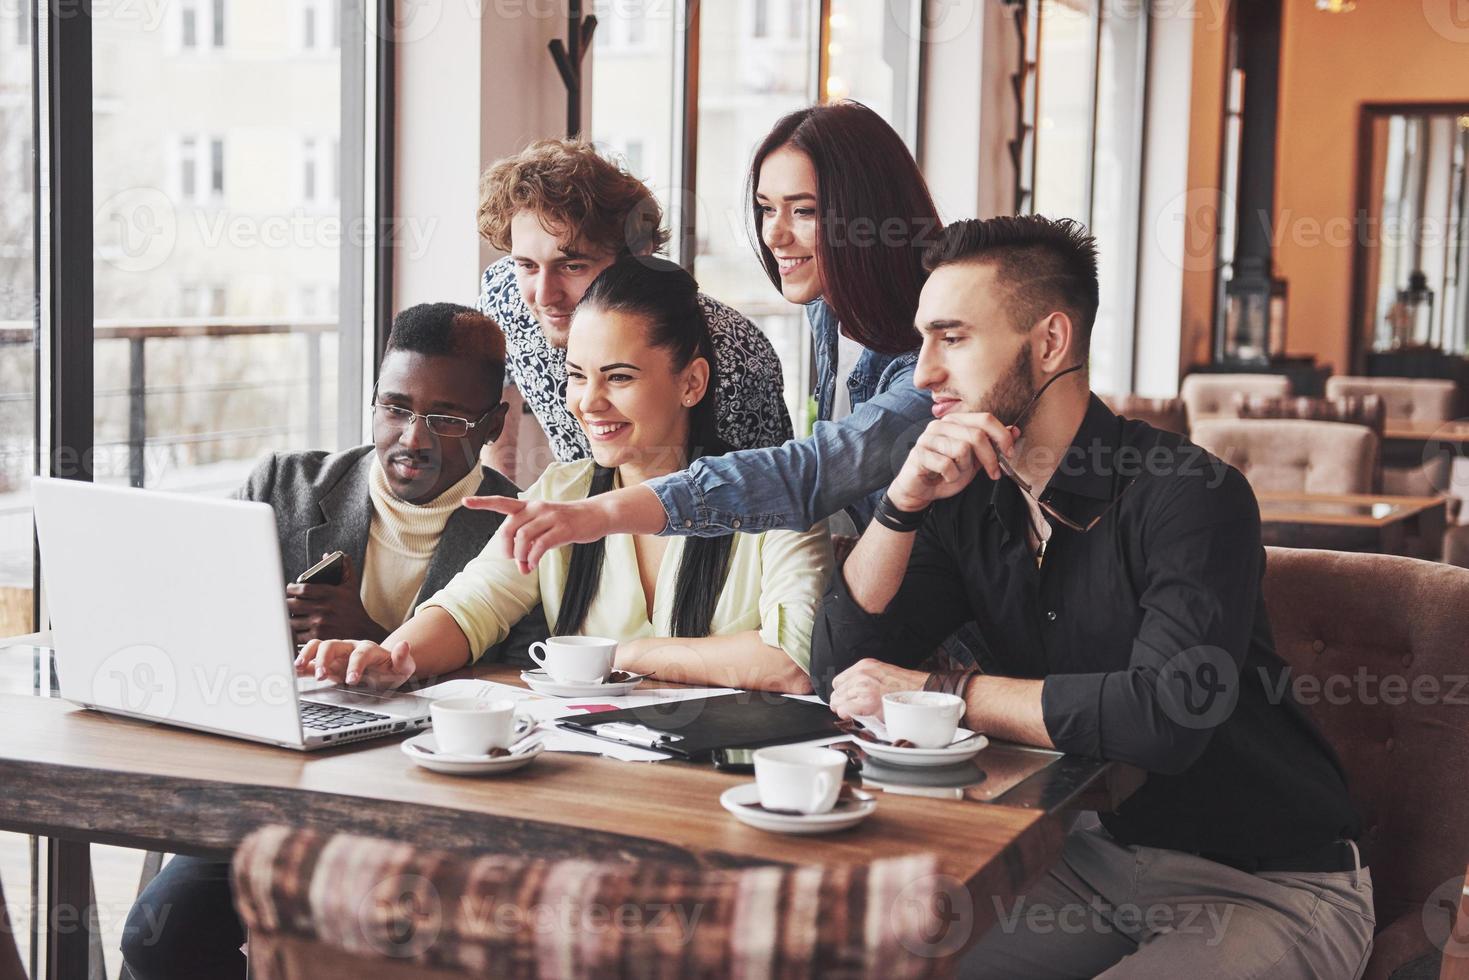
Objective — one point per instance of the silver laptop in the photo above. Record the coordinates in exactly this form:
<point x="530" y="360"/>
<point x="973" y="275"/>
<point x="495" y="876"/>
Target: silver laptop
<point x="171" y="608"/>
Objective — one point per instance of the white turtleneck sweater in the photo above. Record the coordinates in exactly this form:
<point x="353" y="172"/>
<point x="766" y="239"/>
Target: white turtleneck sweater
<point x="401" y="543"/>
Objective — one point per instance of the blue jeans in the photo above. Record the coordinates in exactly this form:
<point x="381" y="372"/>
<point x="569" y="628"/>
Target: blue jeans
<point x="184" y="925"/>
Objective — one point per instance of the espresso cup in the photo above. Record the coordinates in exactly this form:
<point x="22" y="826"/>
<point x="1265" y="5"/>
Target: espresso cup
<point x="804" y="778"/>
<point x="928" y="719"/>
<point x="575" y="659"/>
<point x="472" y="726"/>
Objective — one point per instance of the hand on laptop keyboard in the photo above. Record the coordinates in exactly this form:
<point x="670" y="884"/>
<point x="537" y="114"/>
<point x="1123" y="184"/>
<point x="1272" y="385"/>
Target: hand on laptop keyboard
<point x="356" y="662"/>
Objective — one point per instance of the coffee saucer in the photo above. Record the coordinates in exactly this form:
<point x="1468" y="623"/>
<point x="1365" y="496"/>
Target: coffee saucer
<point x="966" y="745"/>
<point x="542" y="683"/>
<point x="738" y="799"/>
<point x="423" y="749"/>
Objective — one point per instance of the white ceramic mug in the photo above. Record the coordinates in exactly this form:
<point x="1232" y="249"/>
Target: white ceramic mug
<point x="928" y="719"/>
<point x="575" y="659"/>
<point x="805" y="778"/>
<point x="473" y="726"/>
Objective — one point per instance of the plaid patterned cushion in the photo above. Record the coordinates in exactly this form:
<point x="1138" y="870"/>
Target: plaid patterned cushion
<point x="509" y="917"/>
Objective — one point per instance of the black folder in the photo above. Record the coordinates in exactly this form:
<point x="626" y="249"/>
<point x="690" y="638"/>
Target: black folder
<point x="694" y="728"/>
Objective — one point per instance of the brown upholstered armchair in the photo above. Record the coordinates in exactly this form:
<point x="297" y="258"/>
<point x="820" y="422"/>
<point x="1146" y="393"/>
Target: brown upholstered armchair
<point x="1168" y="414"/>
<point x="1368" y="410"/>
<point x="1385" y="641"/>
<point x="1407" y="400"/>
<point x="334" y="908"/>
<point x="1295" y="455"/>
<point x="1211" y="396"/>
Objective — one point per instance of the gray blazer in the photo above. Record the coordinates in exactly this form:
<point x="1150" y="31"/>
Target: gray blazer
<point x="322" y="504"/>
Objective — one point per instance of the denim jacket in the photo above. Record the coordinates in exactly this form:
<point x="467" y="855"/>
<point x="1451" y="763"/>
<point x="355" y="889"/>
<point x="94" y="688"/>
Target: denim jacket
<point x="872" y="373"/>
<point x="840" y="465"/>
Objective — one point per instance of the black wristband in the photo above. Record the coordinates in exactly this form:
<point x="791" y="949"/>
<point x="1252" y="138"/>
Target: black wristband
<point x="950" y="681"/>
<point x="903" y="521"/>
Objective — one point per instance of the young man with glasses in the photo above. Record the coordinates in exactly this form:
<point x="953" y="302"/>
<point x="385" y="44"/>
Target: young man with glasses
<point x="394" y="508"/>
<point x="1114" y="573"/>
<point x="391" y="505"/>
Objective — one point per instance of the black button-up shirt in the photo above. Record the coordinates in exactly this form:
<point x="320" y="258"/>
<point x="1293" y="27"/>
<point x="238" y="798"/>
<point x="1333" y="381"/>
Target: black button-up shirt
<point x="1149" y="631"/>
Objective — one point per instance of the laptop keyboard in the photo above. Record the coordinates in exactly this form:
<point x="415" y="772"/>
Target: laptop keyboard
<point x="329" y="717"/>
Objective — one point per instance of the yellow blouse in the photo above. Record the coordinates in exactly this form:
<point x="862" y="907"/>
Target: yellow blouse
<point x="774" y="582"/>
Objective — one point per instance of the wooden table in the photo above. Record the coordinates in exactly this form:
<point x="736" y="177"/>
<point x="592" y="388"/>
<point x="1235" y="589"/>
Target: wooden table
<point x="81" y="776"/>
<point x="1411" y="445"/>
<point x="1411" y="526"/>
<point x="1452" y="433"/>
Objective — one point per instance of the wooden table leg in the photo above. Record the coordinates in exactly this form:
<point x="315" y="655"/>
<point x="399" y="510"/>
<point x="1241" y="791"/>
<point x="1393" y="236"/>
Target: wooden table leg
<point x="68" y="932"/>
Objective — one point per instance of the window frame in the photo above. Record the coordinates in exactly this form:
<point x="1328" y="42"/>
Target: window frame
<point x="62" y="112"/>
<point x="210" y="27"/>
<point x="1029" y="99"/>
<point x="685" y="144"/>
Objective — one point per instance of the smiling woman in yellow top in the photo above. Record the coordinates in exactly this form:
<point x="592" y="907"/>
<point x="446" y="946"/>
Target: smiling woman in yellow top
<point x="735" y="611"/>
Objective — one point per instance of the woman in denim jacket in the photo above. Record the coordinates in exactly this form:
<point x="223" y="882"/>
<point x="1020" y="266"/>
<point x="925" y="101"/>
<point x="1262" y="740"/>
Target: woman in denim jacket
<point x="840" y="216"/>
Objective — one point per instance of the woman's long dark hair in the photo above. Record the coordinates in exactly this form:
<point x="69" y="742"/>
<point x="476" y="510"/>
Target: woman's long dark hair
<point x="875" y="219"/>
<point x="667" y="299"/>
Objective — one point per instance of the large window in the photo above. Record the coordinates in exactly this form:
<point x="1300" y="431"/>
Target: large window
<point x="1085" y="159"/>
<point x="18" y="317"/>
<point x="1116" y="188"/>
<point x="756" y="63"/>
<point x="19" y="358"/>
<point x="211" y="193"/>
<point x="1065" y="89"/>
<point x="746" y="63"/>
<point x="634" y="91"/>
<point x="220" y="238"/>
<point x="872" y="57"/>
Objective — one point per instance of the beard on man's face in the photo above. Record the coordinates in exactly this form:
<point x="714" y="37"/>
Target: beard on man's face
<point x="1010" y="395"/>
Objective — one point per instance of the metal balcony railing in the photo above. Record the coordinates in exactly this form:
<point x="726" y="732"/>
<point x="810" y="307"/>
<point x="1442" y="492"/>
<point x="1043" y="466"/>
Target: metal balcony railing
<point x="137" y="335"/>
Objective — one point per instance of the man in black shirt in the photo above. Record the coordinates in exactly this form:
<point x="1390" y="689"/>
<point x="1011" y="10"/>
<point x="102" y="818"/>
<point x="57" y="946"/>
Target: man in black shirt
<point x="1113" y="572"/>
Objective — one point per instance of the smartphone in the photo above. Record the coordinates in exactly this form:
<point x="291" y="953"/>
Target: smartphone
<point x="329" y="571"/>
<point x="734" y="760"/>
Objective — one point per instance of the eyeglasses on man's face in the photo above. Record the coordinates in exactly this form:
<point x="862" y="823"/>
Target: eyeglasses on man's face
<point x="448" y="426"/>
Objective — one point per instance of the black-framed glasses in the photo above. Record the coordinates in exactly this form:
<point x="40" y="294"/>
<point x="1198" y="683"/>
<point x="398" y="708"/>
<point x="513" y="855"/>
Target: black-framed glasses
<point x="1029" y="491"/>
<point x="448" y="426"/>
<point x="1052" y="512"/>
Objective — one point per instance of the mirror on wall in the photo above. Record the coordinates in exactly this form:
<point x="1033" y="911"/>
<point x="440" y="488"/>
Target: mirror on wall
<point x="1413" y="263"/>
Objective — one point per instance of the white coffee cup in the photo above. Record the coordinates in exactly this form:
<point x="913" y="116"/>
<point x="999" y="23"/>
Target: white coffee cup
<point x="472" y="726"/>
<point x="928" y="719"/>
<point x="575" y="659"/>
<point x="805" y="778"/>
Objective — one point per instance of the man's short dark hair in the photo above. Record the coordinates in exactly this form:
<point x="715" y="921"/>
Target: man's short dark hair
<point x="451" y="330"/>
<point x="1046" y="264"/>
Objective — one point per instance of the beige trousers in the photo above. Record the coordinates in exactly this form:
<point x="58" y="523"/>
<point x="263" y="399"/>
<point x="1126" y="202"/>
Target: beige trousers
<point x="1141" y="913"/>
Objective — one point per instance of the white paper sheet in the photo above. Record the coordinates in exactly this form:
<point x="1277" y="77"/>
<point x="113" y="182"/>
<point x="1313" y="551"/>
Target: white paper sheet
<point x="544" y="709"/>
